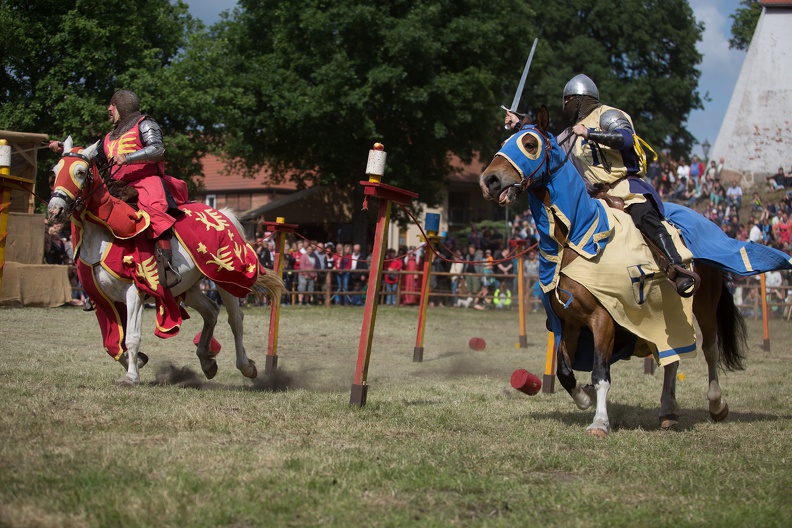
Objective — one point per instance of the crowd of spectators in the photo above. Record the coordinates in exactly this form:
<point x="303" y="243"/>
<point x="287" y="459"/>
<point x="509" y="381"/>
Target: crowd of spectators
<point x="762" y="221"/>
<point x="477" y="270"/>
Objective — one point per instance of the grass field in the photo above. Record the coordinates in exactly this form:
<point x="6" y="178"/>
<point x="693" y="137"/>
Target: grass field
<point x="446" y="442"/>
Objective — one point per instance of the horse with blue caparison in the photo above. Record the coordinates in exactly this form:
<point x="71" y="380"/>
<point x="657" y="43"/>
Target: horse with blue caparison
<point x="606" y="294"/>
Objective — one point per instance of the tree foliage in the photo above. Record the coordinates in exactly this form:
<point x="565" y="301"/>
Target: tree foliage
<point x="424" y="77"/>
<point x="307" y="91"/>
<point x="744" y="21"/>
<point x="64" y="60"/>
<point x="427" y="77"/>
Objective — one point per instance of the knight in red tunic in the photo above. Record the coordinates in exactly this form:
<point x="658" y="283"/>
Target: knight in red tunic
<point x="136" y="147"/>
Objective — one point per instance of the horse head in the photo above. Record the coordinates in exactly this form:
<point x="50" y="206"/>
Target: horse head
<point x="74" y="170"/>
<point x="523" y="161"/>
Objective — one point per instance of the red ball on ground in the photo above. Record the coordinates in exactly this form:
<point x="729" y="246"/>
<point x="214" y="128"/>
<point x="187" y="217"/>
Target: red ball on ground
<point x="525" y="382"/>
<point x="477" y="343"/>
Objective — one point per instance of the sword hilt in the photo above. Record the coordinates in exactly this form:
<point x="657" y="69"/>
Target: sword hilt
<point x="521" y="116"/>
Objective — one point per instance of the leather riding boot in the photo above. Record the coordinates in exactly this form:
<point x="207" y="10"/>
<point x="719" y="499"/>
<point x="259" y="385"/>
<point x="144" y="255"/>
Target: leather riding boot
<point x="164" y="254"/>
<point x="685" y="281"/>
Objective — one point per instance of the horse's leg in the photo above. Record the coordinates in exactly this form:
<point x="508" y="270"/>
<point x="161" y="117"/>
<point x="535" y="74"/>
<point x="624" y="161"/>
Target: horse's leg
<point x="582" y="395"/>
<point x="245" y="365"/>
<point x="604" y="335"/>
<point x="669" y="410"/>
<point x="134" y="324"/>
<point x="209" y="311"/>
<point x="705" y="304"/>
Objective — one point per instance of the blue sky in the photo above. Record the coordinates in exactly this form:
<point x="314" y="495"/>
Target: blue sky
<point x="720" y="66"/>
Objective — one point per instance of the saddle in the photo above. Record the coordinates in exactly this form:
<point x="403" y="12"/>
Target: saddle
<point x="672" y="270"/>
<point x="122" y="191"/>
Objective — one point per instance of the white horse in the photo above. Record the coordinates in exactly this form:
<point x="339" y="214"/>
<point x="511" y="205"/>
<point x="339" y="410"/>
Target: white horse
<point x="74" y="177"/>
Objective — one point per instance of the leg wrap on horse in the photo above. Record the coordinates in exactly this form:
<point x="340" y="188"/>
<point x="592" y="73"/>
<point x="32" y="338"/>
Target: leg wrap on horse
<point x="648" y="221"/>
<point x="164" y="255"/>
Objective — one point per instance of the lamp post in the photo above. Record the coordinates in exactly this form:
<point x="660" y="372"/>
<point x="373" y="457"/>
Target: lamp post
<point x="705" y="147"/>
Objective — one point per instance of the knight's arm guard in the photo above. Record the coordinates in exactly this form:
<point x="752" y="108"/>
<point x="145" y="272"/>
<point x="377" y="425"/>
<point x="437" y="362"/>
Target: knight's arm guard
<point x="615" y="131"/>
<point x="153" y="150"/>
<point x="618" y="139"/>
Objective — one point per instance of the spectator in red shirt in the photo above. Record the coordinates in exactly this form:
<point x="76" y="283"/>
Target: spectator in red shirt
<point x="392" y="266"/>
<point x="307" y="277"/>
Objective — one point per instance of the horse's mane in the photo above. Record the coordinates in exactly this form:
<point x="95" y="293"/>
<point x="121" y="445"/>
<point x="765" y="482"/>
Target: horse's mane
<point x="229" y="213"/>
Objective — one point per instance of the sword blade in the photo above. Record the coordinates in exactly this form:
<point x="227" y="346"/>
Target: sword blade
<point x="518" y="94"/>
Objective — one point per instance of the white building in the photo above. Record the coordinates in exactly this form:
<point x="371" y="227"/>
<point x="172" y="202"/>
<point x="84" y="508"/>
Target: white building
<point x="755" y="137"/>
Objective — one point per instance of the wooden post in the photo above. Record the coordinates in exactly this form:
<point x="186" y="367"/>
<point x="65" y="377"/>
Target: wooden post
<point x="432" y="226"/>
<point x="649" y="365"/>
<point x="518" y="245"/>
<point x="386" y="193"/>
<point x="328" y="288"/>
<point x="279" y="228"/>
<point x="763" y="293"/>
<point x="5" y="201"/>
<point x="548" y="381"/>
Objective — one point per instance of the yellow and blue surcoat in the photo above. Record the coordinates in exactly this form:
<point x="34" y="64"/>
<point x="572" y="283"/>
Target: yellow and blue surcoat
<point x="584" y="219"/>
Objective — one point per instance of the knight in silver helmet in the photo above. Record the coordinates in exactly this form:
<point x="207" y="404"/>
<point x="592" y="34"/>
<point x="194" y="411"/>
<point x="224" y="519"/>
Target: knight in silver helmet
<point x="602" y="143"/>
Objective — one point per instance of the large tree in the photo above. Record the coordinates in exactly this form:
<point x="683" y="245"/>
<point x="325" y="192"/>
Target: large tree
<point x="642" y="55"/>
<point x="64" y="60"/>
<point x="426" y="78"/>
<point x="331" y="78"/>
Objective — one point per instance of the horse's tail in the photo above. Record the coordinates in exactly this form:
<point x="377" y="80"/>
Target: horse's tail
<point x="269" y="284"/>
<point x="732" y="333"/>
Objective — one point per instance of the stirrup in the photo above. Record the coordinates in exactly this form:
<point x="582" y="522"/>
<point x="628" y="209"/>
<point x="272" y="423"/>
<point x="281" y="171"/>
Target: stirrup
<point x="168" y="274"/>
<point x="172" y="277"/>
<point x="685" y="282"/>
<point x="88" y="305"/>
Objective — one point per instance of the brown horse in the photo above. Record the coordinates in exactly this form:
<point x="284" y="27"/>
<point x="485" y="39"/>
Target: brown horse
<point x="544" y="171"/>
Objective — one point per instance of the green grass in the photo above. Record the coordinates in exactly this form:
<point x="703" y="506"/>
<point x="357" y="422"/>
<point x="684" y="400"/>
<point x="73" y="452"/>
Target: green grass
<point x="445" y="442"/>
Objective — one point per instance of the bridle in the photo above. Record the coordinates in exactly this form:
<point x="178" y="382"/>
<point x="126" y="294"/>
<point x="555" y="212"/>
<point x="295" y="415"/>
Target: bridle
<point x="544" y="163"/>
<point x="87" y="189"/>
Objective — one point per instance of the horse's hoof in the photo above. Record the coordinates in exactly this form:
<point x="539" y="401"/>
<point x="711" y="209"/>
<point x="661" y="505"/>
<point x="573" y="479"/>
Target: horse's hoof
<point x="250" y="370"/>
<point x="210" y="371"/>
<point x="124" y="381"/>
<point x="719" y="417"/>
<point x="597" y="433"/>
<point x="142" y="360"/>
<point x="668" y="422"/>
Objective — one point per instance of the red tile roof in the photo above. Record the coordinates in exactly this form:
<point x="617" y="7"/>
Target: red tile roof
<point x="218" y="178"/>
<point x="776" y="3"/>
<point x="469" y="172"/>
